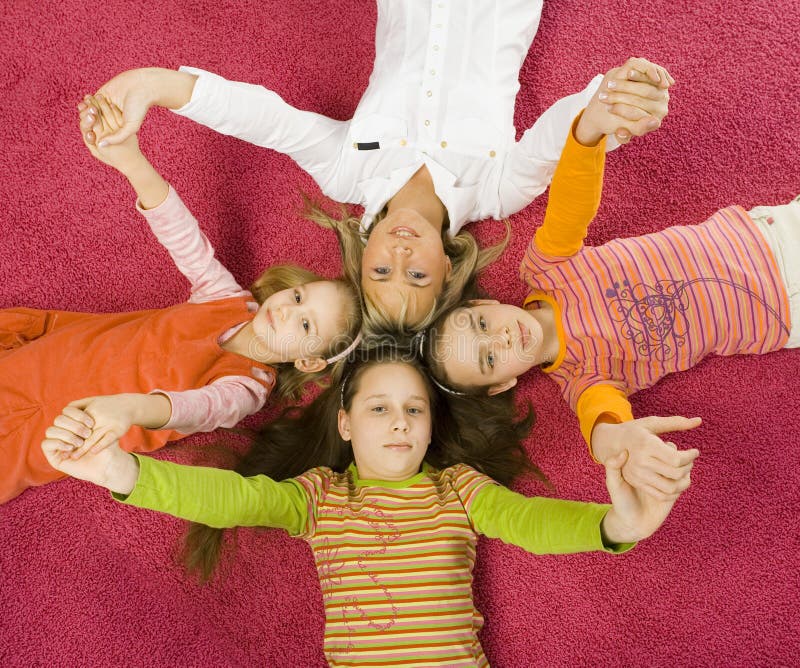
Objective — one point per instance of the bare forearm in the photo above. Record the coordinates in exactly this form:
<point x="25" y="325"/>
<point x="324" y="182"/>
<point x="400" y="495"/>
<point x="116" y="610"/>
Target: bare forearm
<point x="151" y="411"/>
<point x="167" y="88"/>
<point x="150" y="186"/>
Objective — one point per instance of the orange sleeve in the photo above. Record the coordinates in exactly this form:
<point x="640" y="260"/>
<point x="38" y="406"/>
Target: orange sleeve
<point x="601" y="403"/>
<point x="574" y="197"/>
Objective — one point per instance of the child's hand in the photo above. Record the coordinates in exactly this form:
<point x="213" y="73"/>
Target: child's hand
<point x="111" y="468"/>
<point x="634" y="515"/>
<point x="105" y="119"/>
<point x="652" y="466"/>
<point x="114" y="414"/>
<point x="632" y="101"/>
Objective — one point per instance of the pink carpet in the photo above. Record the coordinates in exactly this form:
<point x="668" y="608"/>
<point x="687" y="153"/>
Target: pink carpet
<point x="87" y="582"/>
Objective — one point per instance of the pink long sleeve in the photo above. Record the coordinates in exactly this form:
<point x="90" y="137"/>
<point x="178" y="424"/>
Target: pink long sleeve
<point x="178" y="231"/>
<point x="223" y="403"/>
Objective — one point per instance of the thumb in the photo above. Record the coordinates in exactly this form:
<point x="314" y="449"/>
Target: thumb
<point x="614" y="480"/>
<point x="662" y="425"/>
<point x="82" y="403"/>
<point x="129" y="128"/>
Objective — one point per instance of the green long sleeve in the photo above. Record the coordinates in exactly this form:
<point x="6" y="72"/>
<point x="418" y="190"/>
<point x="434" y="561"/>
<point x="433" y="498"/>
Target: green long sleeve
<point x="539" y="525"/>
<point x="218" y="498"/>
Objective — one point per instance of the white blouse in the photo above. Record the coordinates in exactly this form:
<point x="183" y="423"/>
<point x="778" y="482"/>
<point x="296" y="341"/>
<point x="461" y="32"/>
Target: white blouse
<point x="441" y="94"/>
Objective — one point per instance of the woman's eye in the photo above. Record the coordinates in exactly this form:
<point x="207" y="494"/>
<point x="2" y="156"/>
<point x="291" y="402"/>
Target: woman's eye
<point x="490" y="360"/>
<point x="417" y="275"/>
<point x="297" y="297"/>
<point x="383" y="271"/>
<point x="306" y="326"/>
<point x="482" y="323"/>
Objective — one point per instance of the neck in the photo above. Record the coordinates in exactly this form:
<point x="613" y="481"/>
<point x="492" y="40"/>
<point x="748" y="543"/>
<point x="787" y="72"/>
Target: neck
<point x="419" y="195"/>
<point x="551" y="344"/>
<point x="244" y="343"/>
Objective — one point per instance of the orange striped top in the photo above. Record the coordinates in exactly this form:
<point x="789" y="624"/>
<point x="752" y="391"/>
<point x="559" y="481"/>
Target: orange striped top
<point x="395" y="566"/>
<point x="633" y="310"/>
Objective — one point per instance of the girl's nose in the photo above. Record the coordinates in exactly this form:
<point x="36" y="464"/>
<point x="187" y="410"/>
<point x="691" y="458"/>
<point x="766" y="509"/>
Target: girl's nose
<point x="400" y="423"/>
<point x="401" y="250"/>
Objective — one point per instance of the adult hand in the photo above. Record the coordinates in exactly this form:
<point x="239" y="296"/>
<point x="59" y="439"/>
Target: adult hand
<point x="631" y="101"/>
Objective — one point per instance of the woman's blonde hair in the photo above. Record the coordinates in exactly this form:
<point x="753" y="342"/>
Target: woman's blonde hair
<point x="290" y="381"/>
<point x="466" y="257"/>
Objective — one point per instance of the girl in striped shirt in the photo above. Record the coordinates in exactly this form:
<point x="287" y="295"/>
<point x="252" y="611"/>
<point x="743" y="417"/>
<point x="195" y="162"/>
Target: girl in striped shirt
<point x="393" y="536"/>
<point x="604" y="322"/>
<point x="206" y="363"/>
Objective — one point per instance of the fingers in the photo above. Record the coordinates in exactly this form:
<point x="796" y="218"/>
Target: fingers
<point x="72" y="422"/>
<point x="660" y="425"/>
<point x="65" y="436"/>
<point x="110" y="122"/>
<point x="95" y="439"/>
<point x="640" y="69"/>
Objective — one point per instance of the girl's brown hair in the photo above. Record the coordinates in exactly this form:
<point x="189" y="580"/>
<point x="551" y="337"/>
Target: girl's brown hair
<point x="466" y="257"/>
<point x="290" y="381"/>
<point x="482" y="432"/>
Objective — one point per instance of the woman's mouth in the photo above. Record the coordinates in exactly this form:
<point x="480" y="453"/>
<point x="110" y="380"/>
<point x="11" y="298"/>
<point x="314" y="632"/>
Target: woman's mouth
<point x="404" y="232"/>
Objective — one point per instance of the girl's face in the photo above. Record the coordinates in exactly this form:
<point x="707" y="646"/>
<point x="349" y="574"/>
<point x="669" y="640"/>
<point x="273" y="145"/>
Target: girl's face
<point x="489" y="344"/>
<point x="300" y="323"/>
<point x="389" y="422"/>
<point x="404" y="263"/>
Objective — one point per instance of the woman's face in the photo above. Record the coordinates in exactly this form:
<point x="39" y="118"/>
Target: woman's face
<point x="404" y="263"/>
<point x="389" y="422"/>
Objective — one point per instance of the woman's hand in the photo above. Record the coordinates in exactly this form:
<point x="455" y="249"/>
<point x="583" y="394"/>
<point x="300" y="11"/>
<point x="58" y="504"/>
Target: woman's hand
<point x="631" y="101"/>
<point x="133" y="92"/>
<point x="110" y="468"/>
<point x="634" y="514"/>
<point x="105" y="118"/>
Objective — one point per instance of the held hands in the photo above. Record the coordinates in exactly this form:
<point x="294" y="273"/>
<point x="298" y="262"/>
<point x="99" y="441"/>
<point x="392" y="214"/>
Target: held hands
<point x="652" y="466"/>
<point x="100" y="119"/>
<point x="634" y="515"/>
<point x="110" y="467"/>
<point x="133" y="93"/>
<point x="631" y="101"/>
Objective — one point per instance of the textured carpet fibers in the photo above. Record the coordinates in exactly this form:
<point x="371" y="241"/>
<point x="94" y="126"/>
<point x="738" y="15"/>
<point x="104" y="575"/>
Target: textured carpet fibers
<point x="84" y="581"/>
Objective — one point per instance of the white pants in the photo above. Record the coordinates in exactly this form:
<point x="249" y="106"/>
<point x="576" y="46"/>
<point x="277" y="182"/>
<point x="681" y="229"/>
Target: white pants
<point x="780" y="226"/>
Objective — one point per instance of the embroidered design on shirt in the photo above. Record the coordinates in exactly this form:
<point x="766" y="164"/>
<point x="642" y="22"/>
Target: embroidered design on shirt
<point x="654" y="317"/>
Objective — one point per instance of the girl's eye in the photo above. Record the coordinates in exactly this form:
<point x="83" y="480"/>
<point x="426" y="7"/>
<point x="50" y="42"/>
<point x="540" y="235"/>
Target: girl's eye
<point x="378" y="409"/>
<point x="418" y="275"/>
<point x="482" y="323"/>
<point x="415" y="411"/>
<point x="490" y="360"/>
<point x="306" y="326"/>
<point x="297" y="297"/>
<point x="383" y="271"/>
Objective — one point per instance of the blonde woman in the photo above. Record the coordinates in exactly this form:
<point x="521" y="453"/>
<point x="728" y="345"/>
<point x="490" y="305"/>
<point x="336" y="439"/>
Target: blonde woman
<point x="430" y="147"/>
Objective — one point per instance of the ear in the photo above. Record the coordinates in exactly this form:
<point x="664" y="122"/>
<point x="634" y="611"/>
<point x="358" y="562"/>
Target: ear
<point x="478" y="302"/>
<point x="343" y="422"/>
<point x="501" y="387"/>
<point x="448" y="266"/>
<point x="310" y="364"/>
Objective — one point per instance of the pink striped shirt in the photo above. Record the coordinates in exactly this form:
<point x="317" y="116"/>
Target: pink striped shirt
<point x="226" y="401"/>
<point x="636" y="309"/>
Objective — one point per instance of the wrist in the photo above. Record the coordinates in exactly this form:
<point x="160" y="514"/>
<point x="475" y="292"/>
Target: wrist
<point x="585" y="134"/>
<point x="122" y="473"/>
<point x="169" y="88"/>
<point x="614" y="532"/>
<point x="151" y="411"/>
<point x="603" y="441"/>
